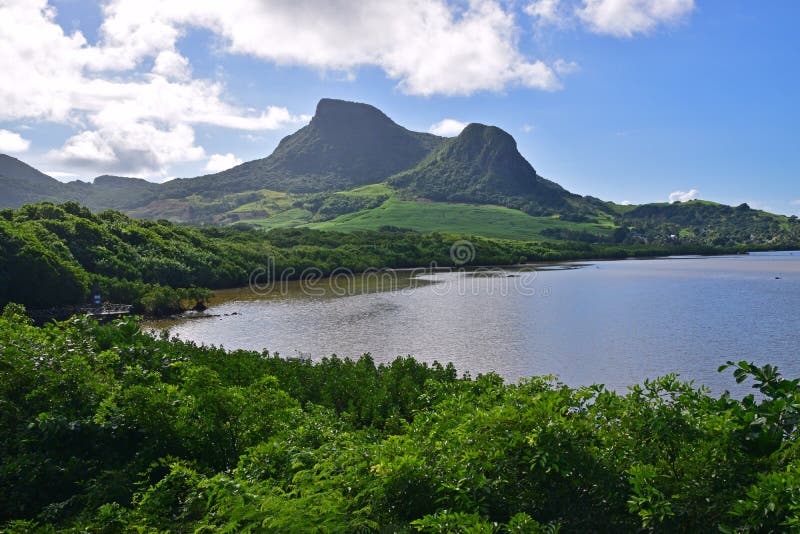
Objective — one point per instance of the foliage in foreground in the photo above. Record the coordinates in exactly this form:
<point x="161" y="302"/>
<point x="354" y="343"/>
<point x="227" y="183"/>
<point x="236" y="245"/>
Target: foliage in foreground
<point x="107" y="429"/>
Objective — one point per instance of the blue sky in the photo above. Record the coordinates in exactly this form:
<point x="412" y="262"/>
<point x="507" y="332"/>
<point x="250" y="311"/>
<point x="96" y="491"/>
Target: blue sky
<point x="626" y="100"/>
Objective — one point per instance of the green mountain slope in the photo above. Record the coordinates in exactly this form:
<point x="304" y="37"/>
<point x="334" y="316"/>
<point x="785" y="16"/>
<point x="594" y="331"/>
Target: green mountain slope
<point x="345" y="145"/>
<point x="20" y="183"/>
<point x="482" y="165"/>
<point x="710" y="222"/>
<point x="484" y="220"/>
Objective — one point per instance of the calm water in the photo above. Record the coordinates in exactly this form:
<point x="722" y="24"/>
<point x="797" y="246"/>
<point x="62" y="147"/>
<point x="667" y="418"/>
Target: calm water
<point x="615" y="322"/>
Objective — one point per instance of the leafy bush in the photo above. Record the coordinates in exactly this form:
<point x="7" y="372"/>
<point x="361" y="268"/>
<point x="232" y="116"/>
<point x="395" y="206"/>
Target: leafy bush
<point x="104" y="428"/>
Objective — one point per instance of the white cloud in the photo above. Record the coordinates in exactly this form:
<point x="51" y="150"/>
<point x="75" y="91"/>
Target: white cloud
<point x="12" y="142"/>
<point x="627" y="203"/>
<point x="548" y="12"/>
<point x="428" y="46"/>
<point x="62" y="176"/>
<point x="171" y="64"/>
<point x="619" y="18"/>
<point x="684" y="196"/>
<point x="447" y="127"/>
<point x="564" y="68"/>
<point x="134" y="102"/>
<point x="527" y="128"/>
<point x="625" y="18"/>
<point x="138" y="122"/>
<point x="795" y="202"/>
<point x="129" y="121"/>
<point x="222" y="162"/>
<point x="135" y="149"/>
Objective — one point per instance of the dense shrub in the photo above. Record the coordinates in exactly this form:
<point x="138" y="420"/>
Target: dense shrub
<point x="104" y="428"/>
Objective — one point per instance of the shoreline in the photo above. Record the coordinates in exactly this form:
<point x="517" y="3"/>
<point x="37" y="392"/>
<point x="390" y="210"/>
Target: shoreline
<point x="218" y="299"/>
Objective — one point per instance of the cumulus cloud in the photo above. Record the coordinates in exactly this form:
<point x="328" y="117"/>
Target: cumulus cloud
<point x="447" y="127"/>
<point x="12" y="142"/>
<point x="136" y="149"/>
<point x="171" y="64"/>
<point x="619" y="18"/>
<point x="684" y="196"/>
<point x="128" y="121"/>
<point x="564" y="68"/>
<point x="222" y="162"/>
<point x="795" y="202"/>
<point x="548" y="12"/>
<point x="428" y="46"/>
<point x="625" y="18"/>
<point x="627" y="203"/>
<point x="527" y="128"/>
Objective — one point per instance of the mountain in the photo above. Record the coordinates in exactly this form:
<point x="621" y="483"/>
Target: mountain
<point x="116" y="192"/>
<point x="353" y="168"/>
<point x="346" y="144"/>
<point x="482" y="165"/>
<point x="20" y="184"/>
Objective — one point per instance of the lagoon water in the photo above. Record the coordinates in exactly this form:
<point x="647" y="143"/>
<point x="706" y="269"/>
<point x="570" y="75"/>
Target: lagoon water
<point x="609" y="322"/>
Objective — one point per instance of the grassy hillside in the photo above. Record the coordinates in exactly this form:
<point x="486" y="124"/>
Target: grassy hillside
<point x="484" y="220"/>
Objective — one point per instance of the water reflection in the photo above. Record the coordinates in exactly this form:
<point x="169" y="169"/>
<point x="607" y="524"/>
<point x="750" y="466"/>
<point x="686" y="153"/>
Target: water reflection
<point x="610" y="322"/>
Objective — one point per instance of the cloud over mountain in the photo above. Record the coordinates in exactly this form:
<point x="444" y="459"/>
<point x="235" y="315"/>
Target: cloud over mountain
<point x="133" y="99"/>
<point x="684" y="196"/>
<point x="447" y="127"/>
<point x="13" y="142"/>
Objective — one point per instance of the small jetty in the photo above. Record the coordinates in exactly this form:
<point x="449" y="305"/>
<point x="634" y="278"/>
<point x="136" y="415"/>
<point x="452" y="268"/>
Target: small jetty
<point x="102" y="312"/>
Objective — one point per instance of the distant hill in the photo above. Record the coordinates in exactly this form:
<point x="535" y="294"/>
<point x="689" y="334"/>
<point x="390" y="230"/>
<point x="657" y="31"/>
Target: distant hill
<point x="20" y="184"/>
<point x="482" y="165"/>
<point x="712" y="223"/>
<point x="118" y="192"/>
<point x="353" y="168"/>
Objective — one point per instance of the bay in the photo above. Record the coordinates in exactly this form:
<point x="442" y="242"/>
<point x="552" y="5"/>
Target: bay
<point x="610" y="322"/>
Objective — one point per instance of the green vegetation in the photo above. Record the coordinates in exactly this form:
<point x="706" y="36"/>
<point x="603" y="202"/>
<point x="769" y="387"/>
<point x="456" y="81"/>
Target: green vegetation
<point x="699" y="221"/>
<point x="291" y="218"/>
<point x="52" y="255"/>
<point x="483" y="166"/>
<point x="106" y="429"/>
<point x="483" y="220"/>
<point x="270" y="203"/>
